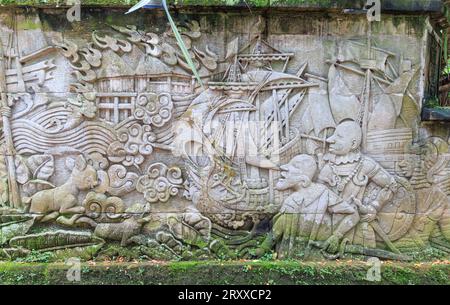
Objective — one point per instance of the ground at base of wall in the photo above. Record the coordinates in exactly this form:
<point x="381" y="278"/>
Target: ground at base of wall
<point x="218" y="272"/>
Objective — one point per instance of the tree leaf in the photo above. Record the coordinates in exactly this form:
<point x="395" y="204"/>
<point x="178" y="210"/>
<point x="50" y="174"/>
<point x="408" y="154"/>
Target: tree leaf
<point x="41" y="166"/>
<point x="39" y="181"/>
<point x="22" y="171"/>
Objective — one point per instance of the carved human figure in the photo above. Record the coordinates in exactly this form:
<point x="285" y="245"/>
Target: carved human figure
<point x="49" y="204"/>
<point x="429" y="178"/>
<point x="348" y="173"/>
<point x="312" y="212"/>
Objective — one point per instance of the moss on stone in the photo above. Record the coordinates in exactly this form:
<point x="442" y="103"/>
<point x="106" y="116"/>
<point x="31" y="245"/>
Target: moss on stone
<point x="398" y="5"/>
<point x="217" y="272"/>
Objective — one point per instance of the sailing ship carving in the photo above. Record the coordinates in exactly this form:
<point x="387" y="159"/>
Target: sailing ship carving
<point x="178" y="165"/>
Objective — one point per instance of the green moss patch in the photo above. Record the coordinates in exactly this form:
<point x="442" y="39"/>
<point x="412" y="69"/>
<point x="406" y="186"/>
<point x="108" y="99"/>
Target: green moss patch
<point x="393" y="5"/>
<point x="218" y="272"/>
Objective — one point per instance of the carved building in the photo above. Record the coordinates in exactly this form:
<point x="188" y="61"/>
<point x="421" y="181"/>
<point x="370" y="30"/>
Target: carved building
<point x="302" y="134"/>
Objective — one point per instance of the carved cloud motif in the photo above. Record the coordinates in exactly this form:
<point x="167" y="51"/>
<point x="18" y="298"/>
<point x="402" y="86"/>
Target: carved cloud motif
<point x="160" y="183"/>
<point x="135" y="142"/>
<point x="154" y="109"/>
<point x="116" y="180"/>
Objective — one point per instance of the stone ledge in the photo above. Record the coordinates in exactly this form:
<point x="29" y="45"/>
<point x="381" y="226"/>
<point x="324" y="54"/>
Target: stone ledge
<point x="217" y="272"/>
<point x="387" y="5"/>
<point x="436" y="114"/>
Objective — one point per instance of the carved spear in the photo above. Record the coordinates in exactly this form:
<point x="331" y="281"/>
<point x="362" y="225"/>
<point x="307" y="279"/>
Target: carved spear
<point x="14" y="196"/>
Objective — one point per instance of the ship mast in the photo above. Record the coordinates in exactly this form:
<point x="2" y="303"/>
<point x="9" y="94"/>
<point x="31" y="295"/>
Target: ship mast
<point x="368" y="64"/>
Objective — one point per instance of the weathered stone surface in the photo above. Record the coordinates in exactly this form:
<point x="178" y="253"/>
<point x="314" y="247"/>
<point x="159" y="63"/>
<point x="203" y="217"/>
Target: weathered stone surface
<point x="301" y="137"/>
<point x="388" y="5"/>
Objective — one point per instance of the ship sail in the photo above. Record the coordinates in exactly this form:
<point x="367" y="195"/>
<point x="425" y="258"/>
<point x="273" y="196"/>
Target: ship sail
<point x="344" y="94"/>
<point x="353" y="51"/>
<point x="387" y="104"/>
<point x="365" y="87"/>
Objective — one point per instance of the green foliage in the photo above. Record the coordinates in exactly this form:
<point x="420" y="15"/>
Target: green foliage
<point x="181" y="44"/>
<point x="219" y="272"/>
<point x="269" y="256"/>
<point x="432" y="102"/>
<point x="36" y="257"/>
<point x="428" y="254"/>
<point x="447" y="68"/>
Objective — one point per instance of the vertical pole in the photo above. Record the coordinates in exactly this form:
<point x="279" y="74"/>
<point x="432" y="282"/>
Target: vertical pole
<point x="446" y="47"/>
<point x="287" y="125"/>
<point x="369" y="41"/>
<point x="14" y="198"/>
<point x="116" y="110"/>
<point x="365" y="119"/>
<point x="277" y="116"/>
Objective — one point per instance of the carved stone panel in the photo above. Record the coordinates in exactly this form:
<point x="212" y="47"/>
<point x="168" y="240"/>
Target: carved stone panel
<point x="302" y="140"/>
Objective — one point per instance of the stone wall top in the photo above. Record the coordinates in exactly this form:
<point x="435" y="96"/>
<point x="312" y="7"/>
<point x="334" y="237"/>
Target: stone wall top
<point x="387" y="5"/>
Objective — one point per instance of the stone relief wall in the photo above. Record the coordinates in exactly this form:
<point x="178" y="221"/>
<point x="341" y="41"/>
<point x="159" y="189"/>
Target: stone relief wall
<point x="302" y="140"/>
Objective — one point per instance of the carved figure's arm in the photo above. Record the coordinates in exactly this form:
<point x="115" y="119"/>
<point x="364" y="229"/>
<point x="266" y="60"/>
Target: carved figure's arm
<point x="386" y="181"/>
<point x="348" y="222"/>
<point x="337" y="206"/>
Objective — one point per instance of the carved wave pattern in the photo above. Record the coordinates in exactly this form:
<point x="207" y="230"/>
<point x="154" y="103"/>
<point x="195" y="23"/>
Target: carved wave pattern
<point x="53" y="118"/>
<point x="88" y="137"/>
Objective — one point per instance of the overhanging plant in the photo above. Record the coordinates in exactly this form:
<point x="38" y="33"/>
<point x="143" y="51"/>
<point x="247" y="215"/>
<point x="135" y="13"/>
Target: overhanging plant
<point x="151" y="4"/>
